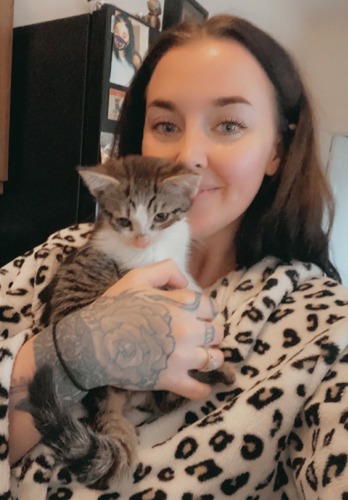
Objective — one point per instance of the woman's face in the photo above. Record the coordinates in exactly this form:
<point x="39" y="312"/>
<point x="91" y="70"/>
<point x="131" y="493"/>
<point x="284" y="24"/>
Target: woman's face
<point x="121" y="35"/>
<point x="210" y="105"/>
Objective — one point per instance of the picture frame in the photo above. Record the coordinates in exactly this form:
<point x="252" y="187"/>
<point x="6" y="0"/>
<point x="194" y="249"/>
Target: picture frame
<point x="177" y="11"/>
<point x="115" y="83"/>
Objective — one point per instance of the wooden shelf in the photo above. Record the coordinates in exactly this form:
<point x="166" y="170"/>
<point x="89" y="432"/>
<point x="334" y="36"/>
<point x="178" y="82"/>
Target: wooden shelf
<point x="6" y="36"/>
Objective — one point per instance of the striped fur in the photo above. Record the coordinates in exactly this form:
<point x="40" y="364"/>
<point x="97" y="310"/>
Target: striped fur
<point x="136" y="189"/>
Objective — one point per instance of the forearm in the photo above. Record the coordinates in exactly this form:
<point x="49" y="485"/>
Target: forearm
<point x="22" y="433"/>
<point x="36" y="352"/>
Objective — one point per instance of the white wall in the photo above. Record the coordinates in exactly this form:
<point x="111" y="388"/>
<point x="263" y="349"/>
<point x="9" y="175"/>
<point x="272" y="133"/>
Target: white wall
<point x="325" y="60"/>
<point x="281" y="18"/>
<point x="37" y="11"/>
<point x="339" y="180"/>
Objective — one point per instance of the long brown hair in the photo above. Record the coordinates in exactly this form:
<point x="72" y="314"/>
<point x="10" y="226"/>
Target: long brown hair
<point x="286" y="217"/>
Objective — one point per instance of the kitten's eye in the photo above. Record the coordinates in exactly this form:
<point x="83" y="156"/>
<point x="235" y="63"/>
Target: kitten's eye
<point x="123" y="222"/>
<point x="161" y="217"/>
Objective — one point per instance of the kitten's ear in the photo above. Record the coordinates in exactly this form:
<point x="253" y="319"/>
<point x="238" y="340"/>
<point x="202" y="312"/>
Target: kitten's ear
<point x="188" y="182"/>
<point x="95" y="180"/>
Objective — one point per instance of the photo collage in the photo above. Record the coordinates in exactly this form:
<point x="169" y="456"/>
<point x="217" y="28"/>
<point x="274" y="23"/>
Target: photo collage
<point x="130" y="41"/>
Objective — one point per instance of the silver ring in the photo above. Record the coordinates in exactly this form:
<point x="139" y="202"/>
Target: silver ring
<point x="210" y="363"/>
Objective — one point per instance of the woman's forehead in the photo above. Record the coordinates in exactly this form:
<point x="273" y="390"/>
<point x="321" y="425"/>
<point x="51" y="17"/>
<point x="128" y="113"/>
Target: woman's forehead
<point x="120" y="24"/>
<point x="208" y="69"/>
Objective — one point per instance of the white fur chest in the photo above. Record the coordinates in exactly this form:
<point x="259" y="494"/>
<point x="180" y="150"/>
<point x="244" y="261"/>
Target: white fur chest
<point x="173" y="243"/>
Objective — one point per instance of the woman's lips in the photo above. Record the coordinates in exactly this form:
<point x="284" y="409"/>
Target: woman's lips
<point x="206" y="190"/>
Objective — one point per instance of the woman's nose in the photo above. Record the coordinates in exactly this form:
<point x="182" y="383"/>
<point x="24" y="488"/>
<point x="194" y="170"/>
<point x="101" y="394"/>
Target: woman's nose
<point x="193" y="150"/>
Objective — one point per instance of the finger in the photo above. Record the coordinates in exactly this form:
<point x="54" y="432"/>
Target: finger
<point x="164" y="273"/>
<point x="211" y="357"/>
<point x="192" y="389"/>
<point x="209" y="308"/>
<point x="212" y="334"/>
<point x="207" y="334"/>
<point x="153" y="276"/>
<point x="194" y="302"/>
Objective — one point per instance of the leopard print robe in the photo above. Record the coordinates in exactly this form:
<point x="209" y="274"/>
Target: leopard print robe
<point x="279" y="432"/>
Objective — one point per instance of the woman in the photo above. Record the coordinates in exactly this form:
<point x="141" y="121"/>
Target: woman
<point x="224" y="98"/>
<point x="125" y="59"/>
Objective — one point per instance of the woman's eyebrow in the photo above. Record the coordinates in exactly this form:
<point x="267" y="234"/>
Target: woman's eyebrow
<point x="225" y="101"/>
<point x="219" y="102"/>
<point x="161" y="103"/>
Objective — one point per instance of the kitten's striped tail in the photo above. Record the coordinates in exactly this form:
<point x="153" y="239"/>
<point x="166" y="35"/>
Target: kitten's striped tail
<point x="93" y="458"/>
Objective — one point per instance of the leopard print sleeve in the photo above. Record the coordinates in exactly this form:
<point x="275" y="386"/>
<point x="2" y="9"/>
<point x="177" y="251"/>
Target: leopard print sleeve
<point x="318" y="445"/>
<point x="278" y="432"/>
<point x="20" y="283"/>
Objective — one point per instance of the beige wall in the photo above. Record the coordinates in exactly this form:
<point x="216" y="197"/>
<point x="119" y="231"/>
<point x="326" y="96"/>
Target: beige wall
<point x="281" y="18"/>
<point x="325" y="57"/>
<point x="36" y="11"/>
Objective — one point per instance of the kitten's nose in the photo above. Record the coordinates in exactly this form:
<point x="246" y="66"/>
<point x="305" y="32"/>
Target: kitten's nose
<point x="142" y="241"/>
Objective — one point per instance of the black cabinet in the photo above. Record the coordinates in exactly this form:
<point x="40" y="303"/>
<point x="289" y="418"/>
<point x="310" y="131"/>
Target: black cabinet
<point x="60" y="104"/>
<point x="46" y="132"/>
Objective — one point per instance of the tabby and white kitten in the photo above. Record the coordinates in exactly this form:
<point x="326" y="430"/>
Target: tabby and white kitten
<point x="143" y="204"/>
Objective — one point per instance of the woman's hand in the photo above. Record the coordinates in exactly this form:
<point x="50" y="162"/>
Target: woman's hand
<point x="137" y="336"/>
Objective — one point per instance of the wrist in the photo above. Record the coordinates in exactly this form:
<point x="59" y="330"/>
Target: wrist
<point x="22" y="372"/>
<point x="45" y="353"/>
<point x="22" y="434"/>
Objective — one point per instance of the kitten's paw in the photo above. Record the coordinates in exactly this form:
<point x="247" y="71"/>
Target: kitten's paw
<point x="125" y="436"/>
<point x="227" y="374"/>
<point x="224" y="375"/>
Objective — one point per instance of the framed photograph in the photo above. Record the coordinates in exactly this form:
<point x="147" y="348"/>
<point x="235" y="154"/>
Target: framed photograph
<point x="116" y="97"/>
<point x="130" y="42"/>
<point x="127" y="39"/>
<point x="106" y="143"/>
<point x="177" y="11"/>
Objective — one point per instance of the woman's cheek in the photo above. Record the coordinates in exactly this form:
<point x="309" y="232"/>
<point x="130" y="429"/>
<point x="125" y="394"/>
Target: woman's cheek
<point x="246" y="168"/>
<point x="153" y="147"/>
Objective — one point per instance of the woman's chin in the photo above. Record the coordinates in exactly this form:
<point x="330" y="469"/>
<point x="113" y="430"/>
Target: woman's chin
<point x="199" y="228"/>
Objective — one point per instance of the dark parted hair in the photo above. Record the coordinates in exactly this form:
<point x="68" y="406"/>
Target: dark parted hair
<point x="286" y="217"/>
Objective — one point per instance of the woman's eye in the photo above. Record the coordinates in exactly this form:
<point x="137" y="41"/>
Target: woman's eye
<point x="230" y="127"/>
<point x="161" y="217"/>
<point x="123" y="222"/>
<point x="165" y="127"/>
